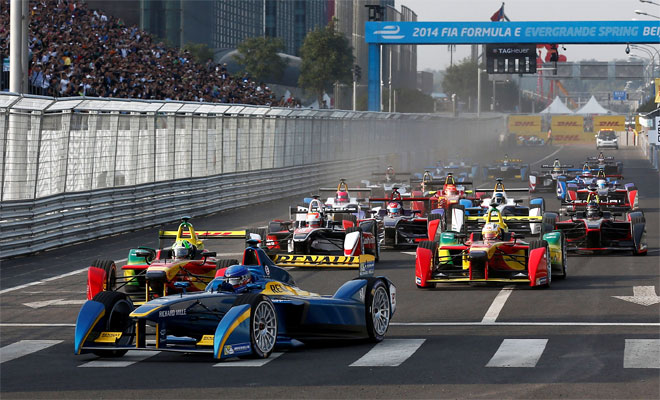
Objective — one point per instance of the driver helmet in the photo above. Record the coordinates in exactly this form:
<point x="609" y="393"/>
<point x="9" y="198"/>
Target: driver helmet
<point x="451" y="190"/>
<point x="182" y="249"/>
<point x="313" y="219"/>
<point x="394" y="209"/>
<point x="238" y="276"/>
<point x="601" y="183"/>
<point x="491" y="231"/>
<point x="498" y="199"/>
<point x="601" y="156"/>
<point x="556" y="165"/>
<point x="341" y="198"/>
<point x="389" y="174"/>
<point x="593" y="212"/>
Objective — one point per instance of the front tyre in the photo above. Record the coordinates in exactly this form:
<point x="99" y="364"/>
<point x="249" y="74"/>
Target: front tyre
<point x="378" y="310"/>
<point x="117" y="310"/>
<point x="263" y="324"/>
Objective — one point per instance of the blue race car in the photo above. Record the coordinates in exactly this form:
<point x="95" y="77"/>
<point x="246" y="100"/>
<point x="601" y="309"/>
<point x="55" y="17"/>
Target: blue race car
<point x="246" y="311"/>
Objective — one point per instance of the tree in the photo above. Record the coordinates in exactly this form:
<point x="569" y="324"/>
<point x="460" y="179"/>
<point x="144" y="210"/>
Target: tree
<point x="326" y="58"/>
<point x="461" y="79"/>
<point x="199" y="51"/>
<point x="258" y="57"/>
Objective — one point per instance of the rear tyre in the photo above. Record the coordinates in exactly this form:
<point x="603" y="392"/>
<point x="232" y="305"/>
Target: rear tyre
<point x="117" y="310"/>
<point x="378" y="309"/>
<point x="110" y="282"/>
<point x="224" y="263"/>
<point x="263" y="323"/>
<point x="535" y="244"/>
<point x="548" y="223"/>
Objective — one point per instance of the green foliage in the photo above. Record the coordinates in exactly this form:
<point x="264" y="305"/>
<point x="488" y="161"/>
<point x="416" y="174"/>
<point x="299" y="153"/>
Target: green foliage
<point x="199" y="51"/>
<point x="258" y="57"/>
<point x="461" y="79"/>
<point x="327" y="58"/>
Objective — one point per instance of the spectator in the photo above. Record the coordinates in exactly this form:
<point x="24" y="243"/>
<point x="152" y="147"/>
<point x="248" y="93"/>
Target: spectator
<point x="85" y="52"/>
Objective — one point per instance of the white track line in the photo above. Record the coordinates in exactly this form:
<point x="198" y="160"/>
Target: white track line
<point x="52" y="278"/>
<point x="525" y="324"/>
<point x="29" y="325"/>
<point x="25" y="347"/>
<point x="642" y="353"/>
<point x="248" y="363"/>
<point x="497" y="305"/>
<point x="129" y="359"/>
<point x="389" y="353"/>
<point x="520" y="353"/>
<point x="549" y="155"/>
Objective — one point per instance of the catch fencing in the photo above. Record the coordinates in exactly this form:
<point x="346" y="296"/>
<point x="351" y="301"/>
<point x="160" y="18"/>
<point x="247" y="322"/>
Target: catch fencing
<point x="78" y="168"/>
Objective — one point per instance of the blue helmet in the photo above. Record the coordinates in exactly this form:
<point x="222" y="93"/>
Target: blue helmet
<point x="238" y="276"/>
<point x="498" y="199"/>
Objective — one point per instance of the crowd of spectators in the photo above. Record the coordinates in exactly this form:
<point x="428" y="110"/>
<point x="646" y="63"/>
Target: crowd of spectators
<point x="76" y="51"/>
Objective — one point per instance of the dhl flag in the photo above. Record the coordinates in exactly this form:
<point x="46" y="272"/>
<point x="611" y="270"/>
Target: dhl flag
<point x="614" y="122"/>
<point x="524" y="124"/>
<point x="567" y="124"/>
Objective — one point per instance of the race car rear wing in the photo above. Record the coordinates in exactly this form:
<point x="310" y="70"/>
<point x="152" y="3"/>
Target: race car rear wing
<point x="162" y="235"/>
<point x="563" y="166"/>
<point x="365" y="262"/>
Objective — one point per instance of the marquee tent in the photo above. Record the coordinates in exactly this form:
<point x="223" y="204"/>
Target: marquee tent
<point x="592" y="107"/>
<point x="557" y="107"/>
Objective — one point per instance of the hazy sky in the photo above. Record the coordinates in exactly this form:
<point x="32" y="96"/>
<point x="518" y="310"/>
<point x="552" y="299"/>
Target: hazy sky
<point x="438" y="57"/>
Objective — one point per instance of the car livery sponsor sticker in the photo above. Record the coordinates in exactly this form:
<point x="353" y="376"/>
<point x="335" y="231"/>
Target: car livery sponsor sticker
<point x="393" y="297"/>
<point x="237" y="349"/>
<point x="108" y="337"/>
<point x="367" y="268"/>
<point x="171" y="313"/>
<point x="418" y="280"/>
<point x="541" y="281"/>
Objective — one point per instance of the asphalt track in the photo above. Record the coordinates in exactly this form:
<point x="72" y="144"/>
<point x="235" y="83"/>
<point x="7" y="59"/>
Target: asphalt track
<point x="574" y="340"/>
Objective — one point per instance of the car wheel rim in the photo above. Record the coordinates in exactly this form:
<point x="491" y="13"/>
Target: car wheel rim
<point x="264" y="327"/>
<point x="380" y="311"/>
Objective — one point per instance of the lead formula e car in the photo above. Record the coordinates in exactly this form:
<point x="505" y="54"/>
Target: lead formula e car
<point x="244" y="312"/>
<point x="493" y="255"/>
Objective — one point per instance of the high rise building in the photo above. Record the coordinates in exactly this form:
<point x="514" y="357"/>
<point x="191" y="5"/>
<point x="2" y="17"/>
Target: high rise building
<point x="221" y="24"/>
<point x="351" y="16"/>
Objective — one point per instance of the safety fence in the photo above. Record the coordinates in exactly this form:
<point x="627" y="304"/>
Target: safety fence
<point x="76" y="169"/>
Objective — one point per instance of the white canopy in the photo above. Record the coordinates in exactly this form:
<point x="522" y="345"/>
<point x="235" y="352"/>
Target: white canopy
<point x="557" y="107"/>
<point x="592" y="107"/>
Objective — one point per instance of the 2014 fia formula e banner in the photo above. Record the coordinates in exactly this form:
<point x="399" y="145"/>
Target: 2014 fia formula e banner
<point x="614" y="122"/>
<point x="524" y="124"/>
<point x="565" y="32"/>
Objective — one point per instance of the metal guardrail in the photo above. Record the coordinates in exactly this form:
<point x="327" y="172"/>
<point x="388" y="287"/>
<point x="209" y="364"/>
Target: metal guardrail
<point x="34" y="225"/>
<point x="77" y="169"/>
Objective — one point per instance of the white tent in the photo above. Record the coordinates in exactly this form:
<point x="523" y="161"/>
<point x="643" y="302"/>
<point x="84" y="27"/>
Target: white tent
<point x="592" y="107"/>
<point x="557" y="107"/>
